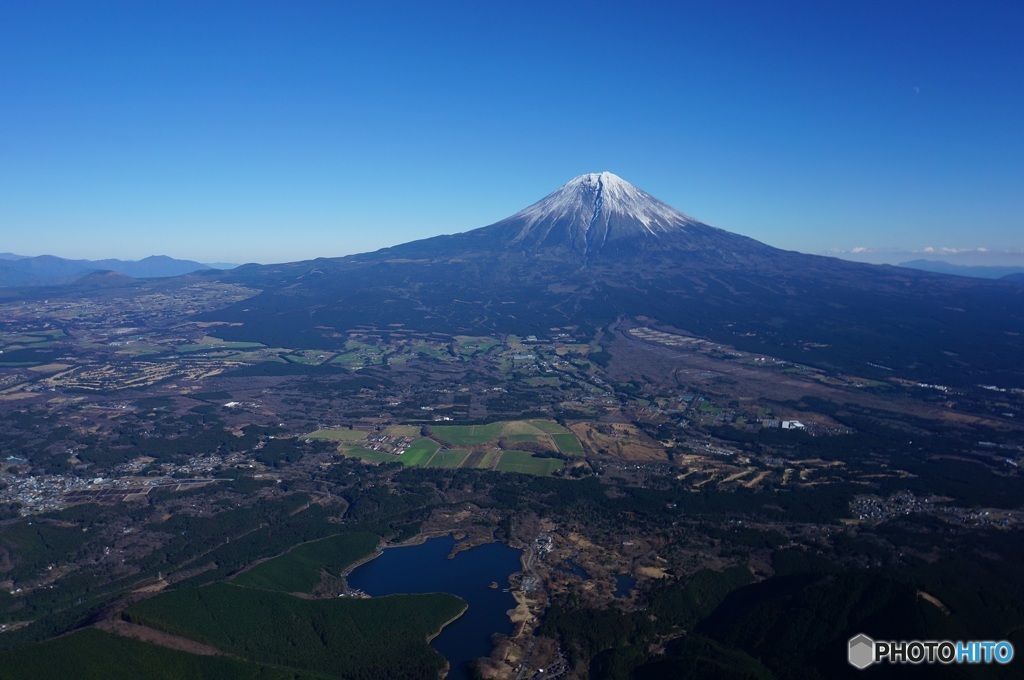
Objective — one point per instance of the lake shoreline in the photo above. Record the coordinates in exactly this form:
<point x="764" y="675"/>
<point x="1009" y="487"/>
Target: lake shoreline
<point x="435" y="564"/>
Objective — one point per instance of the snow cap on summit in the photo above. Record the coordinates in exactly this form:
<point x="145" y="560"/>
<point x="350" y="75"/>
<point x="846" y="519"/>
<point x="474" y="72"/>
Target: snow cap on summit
<point x="593" y="209"/>
<point x="594" y="199"/>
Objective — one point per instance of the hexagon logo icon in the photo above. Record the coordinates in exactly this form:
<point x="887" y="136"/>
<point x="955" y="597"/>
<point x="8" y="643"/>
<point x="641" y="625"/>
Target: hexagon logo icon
<point x="861" y="651"/>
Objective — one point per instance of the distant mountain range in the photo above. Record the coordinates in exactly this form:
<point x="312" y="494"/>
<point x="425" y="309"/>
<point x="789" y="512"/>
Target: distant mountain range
<point x="48" y="270"/>
<point x="599" y="249"/>
<point x="978" y="272"/>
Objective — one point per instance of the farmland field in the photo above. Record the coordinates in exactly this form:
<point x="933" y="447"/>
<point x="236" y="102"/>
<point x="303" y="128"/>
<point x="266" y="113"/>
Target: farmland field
<point x="475" y="459"/>
<point x="568" y="444"/>
<point x="521" y="437"/>
<point x="472" y="446"/>
<point x="477" y="343"/>
<point x="419" y="452"/>
<point x="448" y="458"/>
<point x="338" y="434"/>
<point x="210" y="343"/>
<point x="547" y="426"/>
<point x="488" y="460"/>
<point x="468" y="435"/>
<point x="515" y="430"/>
<point x="403" y="431"/>
<point x="523" y="461"/>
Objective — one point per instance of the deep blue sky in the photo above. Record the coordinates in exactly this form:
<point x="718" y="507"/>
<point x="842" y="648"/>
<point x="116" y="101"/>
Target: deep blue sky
<point x="271" y="131"/>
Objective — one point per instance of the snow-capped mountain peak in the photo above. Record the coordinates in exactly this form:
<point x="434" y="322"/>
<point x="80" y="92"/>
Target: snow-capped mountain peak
<point x="590" y="210"/>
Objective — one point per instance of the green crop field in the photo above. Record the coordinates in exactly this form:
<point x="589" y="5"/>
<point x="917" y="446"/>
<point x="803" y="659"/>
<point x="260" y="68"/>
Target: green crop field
<point x="300" y="359"/>
<point x="487" y="462"/>
<point x="473" y="435"/>
<point x="211" y="343"/>
<point x="298" y="571"/>
<point x="419" y="452"/>
<point x="337" y="434"/>
<point x="468" y="435"/>
<point x="431" y="351"/>
<point x="347" y="358"/>
<point x="523" y="461"/>
<point x="474" y="446"/>
<point x="474" y="459"/>
<point x="568" y="444"/>
<point x="358" y="354"/>
<point x="521" y="437"/>
<point x="368" y="454"/>
<point x="518" y="428"/>
<point x="448" y="459"/>
<point x="403" y="431"/>
<point x="350" y="638"/>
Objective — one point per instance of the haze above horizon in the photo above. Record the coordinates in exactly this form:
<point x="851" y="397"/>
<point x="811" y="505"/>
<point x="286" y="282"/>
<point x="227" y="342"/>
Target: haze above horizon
<point x="248" y="131"/>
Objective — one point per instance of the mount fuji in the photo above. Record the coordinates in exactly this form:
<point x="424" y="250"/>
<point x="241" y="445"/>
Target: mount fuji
<point x="593" y="218"/>
<point x="599" y="249"/>
<point x="592" y="212"/>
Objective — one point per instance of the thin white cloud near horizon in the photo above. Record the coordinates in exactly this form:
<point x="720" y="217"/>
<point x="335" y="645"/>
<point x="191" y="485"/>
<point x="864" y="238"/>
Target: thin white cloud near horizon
<point x="978" y="256"/>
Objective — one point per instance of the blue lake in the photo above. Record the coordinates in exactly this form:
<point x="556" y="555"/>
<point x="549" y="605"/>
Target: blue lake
<point x="425" y="568"/>
<point x="624" y="585"/>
